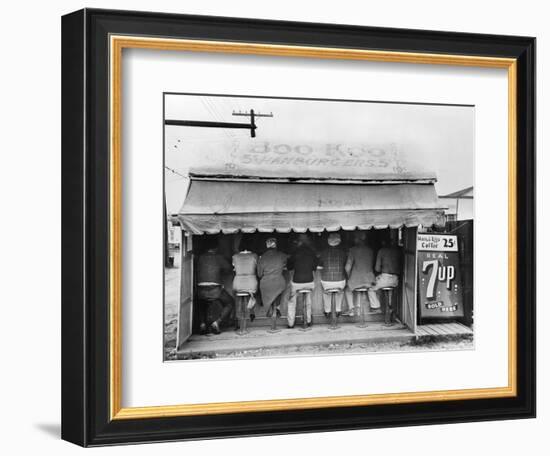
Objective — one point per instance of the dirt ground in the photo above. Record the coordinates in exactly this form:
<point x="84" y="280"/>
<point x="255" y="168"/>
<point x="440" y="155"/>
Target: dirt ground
<point x="171" y="300"/>
<point x="464" y="343"/>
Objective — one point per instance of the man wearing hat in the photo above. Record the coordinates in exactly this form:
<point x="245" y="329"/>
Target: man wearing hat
<point x="333" y="276"/>
<point x="271" y="266"/>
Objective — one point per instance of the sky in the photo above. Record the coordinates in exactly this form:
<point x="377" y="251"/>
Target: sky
<point x="319" y="139"/>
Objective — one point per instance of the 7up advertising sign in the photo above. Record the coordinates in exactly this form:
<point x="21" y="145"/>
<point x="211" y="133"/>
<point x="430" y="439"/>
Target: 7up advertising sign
<point x="439" y="281"/>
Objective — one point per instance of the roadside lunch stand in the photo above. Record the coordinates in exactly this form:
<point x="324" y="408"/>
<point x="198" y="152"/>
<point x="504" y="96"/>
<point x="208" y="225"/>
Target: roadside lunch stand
<point x="282" y="189"/>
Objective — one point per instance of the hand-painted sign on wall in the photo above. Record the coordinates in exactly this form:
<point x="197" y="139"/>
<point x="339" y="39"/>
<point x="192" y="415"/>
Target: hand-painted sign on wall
<point x="439" y="281"/>
<point x="310" y="159"/>
<point x="384" y="159"/>
<point x="329" y="154"/>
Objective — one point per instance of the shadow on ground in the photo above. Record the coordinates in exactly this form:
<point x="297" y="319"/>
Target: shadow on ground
<point x="51" y="429"/>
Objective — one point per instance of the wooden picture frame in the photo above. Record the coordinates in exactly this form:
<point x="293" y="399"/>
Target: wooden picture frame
<point x="92" y="44"/>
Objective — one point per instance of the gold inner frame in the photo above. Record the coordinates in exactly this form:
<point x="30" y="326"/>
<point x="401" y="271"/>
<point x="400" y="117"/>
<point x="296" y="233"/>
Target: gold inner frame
<point x="117" y="44"/>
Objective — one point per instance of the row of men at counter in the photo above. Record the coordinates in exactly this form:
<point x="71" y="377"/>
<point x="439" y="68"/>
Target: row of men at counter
<point x="341" y="272"/>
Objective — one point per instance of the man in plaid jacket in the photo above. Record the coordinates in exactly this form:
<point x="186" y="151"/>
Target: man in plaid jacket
<point x="333" y="276"/>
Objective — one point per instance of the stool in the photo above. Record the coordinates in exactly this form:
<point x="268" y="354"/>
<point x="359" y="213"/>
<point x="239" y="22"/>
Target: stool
<point x="388" y="312"/>
<point x="303" y="298"/>
<point x="333" y="317"/>
<point x="362" y="293"/>
<point x="242" y="303"/>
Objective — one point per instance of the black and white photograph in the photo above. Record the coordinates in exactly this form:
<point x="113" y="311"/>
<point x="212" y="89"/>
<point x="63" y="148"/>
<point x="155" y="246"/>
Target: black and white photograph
<point x="274" y="228"/>
<point x="305" y="227"/>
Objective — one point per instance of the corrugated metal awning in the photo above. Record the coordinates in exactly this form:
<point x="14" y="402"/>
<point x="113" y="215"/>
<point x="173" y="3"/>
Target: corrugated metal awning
<point x="214" y="206"/>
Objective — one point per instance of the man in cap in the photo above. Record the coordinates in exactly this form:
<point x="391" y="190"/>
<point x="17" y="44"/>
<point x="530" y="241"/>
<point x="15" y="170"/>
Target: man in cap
<point x="333" y="276"/>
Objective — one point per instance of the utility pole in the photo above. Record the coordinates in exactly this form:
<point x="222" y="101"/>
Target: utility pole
<point x="252" y="116"/>
<point x="204" y="123"/>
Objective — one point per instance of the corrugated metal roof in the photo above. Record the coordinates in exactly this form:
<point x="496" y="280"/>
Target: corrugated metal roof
<point x="464" y="193"/>
<point x="228" y="206"/>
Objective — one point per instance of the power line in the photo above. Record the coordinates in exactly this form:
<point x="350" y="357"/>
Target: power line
<point x="175" y="172"/>
<point x="215" y="113"/>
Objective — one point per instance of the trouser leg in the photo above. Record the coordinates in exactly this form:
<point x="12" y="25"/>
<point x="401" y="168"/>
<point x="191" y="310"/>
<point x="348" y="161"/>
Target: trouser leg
<point x="291" y="312"/>
<point x="308" y="306"/>
<point x="326" y="302"/>
<point x="203" y="310"/>
<point x="339" y="298"/>
<point x="228" y="303"/>
<point x="373" y="299"/>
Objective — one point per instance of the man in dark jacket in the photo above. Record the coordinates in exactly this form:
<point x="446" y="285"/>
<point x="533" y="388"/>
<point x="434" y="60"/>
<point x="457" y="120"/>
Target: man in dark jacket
<point x="304" y="263"/>
<point x="210" y="267"/>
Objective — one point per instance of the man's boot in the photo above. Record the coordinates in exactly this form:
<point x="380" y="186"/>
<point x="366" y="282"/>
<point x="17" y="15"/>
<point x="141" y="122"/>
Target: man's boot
<point x="215" y="327"/>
